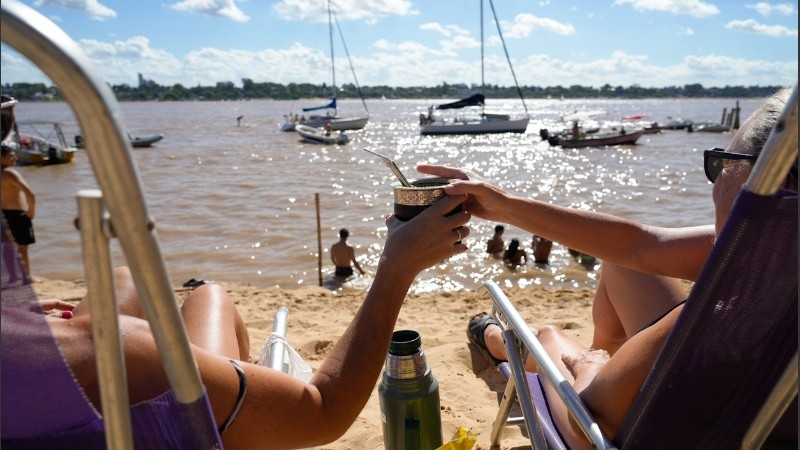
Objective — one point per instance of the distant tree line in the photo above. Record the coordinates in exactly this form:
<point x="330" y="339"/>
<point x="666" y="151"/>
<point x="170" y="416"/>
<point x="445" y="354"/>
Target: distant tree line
<point x="152" y="91"/>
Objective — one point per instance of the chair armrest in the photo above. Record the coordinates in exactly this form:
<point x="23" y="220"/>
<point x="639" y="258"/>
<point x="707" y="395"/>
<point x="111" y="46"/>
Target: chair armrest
<point x="510" y="319"/>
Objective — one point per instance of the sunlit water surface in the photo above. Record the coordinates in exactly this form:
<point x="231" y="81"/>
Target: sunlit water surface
<point x="237" y="203"/>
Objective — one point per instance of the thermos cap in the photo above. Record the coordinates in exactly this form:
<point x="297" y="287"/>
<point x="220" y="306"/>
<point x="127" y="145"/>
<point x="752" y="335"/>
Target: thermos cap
<point x="405" y="343"/>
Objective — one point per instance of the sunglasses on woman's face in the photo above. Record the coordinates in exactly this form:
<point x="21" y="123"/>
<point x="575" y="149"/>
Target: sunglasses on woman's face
<point x="714" y="161"/>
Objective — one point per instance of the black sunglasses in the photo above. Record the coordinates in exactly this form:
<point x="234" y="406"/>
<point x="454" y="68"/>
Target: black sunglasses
<point x="713" y="161"/>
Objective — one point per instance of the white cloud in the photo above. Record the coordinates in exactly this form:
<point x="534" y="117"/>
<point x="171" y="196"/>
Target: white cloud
<point x="459" y="42"/>
<point x="120" y="61"/>
<point x="92" y="8"/>
<point x="317" y="10"/>
<point x="525" y="24"/>
<point x="226" y="9"/>
<point x="751" y="26"/>
<point x="694" y="8"/>
<point x="444" y="30"/>
<point x="622" y="69"/>
<point x="688" y="31"/>
<point x="766" y="9"/>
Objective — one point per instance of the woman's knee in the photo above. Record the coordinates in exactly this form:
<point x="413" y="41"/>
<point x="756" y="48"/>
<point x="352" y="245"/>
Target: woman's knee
<point x="209" y="296"/>
<point x="549" y="333"/>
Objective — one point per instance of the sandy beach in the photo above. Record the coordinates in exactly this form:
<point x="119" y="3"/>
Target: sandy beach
<point x="470" y="388"/>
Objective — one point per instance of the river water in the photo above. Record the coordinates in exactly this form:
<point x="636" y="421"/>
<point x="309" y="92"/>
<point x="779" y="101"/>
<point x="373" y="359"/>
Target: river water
<point x="237" y="203"/>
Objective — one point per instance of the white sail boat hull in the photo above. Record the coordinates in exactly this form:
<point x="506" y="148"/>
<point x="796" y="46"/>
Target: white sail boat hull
<point x="484" y="125"/>
<point x="484" y="122"/>
<point x="337" y="123"/>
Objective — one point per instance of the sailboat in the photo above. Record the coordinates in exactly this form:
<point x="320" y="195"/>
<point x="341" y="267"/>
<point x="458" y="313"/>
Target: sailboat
<point x="337" y="122"/>
<point x="482" y="122"/>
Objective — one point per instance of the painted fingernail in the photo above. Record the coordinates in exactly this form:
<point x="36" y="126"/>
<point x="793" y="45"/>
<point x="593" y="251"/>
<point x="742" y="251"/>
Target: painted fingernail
<point x="66" y="314"/>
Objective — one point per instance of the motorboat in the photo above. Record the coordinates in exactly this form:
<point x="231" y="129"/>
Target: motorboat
<point x="708" y="127"/>
<point x="40" y="142"/>
<point x="145" y="141"/>
<point x="136" y="141"/>
<point x="600" y="139"/>
<point x="480" y="122"/>
<point x="643" y="122"/>
<point x="320" y="136"/>
<point x="677" y="123"/>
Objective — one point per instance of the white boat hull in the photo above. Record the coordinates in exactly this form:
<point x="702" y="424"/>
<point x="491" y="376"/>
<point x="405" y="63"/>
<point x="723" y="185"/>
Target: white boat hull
<point x="488" y="125"/>
<point x="600" y="140"/>
<point x="317" y="136"/>
<point x="337" y="123"/>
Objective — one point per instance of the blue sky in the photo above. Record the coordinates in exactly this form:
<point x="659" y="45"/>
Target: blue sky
<point x="652" y="43"/>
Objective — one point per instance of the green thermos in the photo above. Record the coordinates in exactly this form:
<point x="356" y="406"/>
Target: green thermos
<point x="409" y="396"/>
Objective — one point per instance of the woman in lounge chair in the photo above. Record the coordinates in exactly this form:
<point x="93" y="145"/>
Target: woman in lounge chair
<point x="255" y="406"/>
<point x="638" y="298"/>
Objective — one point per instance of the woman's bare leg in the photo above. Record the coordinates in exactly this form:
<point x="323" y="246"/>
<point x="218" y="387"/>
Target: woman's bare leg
<point x="125" y="291"/>
<point x="210" y="316"/>
<point x="557" y="344"/>
<point x="627" y="300"/>
<point x="213" y="322"/>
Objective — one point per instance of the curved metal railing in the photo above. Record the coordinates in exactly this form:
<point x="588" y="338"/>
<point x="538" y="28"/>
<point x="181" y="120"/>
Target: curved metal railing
<point x="109" y="151"/>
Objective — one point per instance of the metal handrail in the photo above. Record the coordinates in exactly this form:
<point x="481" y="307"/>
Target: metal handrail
<point x="110" y="154"/>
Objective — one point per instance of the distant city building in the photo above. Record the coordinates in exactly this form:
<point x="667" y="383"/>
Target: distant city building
<point x="144" y="82"/>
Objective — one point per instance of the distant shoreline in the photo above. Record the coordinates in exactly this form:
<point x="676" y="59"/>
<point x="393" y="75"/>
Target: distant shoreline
<point x="149" y="90"/>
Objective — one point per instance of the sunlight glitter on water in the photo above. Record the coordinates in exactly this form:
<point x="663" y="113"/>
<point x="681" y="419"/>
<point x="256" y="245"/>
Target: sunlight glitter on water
<point x="238" y="203"/>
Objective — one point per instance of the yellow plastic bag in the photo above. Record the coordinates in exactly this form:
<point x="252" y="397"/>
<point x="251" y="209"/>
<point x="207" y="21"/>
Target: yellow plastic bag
<point x="463" y="439"/>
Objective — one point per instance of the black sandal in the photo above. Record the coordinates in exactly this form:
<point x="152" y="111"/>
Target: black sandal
<point x="196" y="282"/>
<point x="475" y="328"/>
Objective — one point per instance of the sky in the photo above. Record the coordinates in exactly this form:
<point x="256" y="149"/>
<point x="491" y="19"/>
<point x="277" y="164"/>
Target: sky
<point x="650" y="43"/>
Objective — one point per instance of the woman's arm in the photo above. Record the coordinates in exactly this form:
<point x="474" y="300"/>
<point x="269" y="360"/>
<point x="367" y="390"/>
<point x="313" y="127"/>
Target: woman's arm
<point x="674" y="252"/>
<point x="282" y="412"/>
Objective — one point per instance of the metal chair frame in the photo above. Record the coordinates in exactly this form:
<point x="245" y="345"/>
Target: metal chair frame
<point x="117" y="210"/>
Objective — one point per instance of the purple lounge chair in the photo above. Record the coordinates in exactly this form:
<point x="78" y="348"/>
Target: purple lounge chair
<point x="42" y="405"/>
<point x="726" y="364"/>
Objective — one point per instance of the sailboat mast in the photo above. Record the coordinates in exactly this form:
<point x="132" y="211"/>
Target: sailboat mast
<point x="508" y="58"/>
<point x="483" y="81"/>
<point x="333" y="64"/>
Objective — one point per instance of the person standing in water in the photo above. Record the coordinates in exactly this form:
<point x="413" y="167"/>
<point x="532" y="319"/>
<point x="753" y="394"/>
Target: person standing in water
<point x="342" y="255"/>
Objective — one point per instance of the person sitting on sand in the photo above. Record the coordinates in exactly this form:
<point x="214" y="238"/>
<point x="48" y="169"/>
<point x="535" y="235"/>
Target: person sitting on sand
<point x="342" y="255"/>
<point x="495" y="245"/>
<point x="271" y="409"/>
<point x="638" y="298"/>
<point x="515" y="256"/>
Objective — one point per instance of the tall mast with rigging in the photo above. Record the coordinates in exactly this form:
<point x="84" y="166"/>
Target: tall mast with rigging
<point x="333" y="64"/>
<point x="483" y="80"/>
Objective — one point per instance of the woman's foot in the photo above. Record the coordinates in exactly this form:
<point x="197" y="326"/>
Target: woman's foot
<point x="476" y="333"/>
